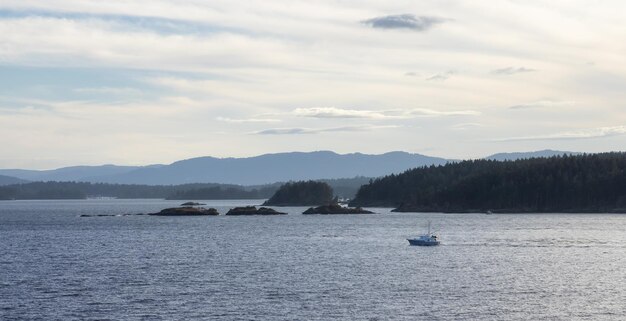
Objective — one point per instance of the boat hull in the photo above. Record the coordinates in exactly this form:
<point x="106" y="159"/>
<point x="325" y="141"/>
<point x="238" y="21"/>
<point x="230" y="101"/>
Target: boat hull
<point x="422" y="242"/>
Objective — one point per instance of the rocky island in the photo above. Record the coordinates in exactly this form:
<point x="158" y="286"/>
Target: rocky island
<point x="186" y="211"/>
<point x="252" y="210"/>
<point x="336" y="209"/>
<point x="192" y="204"/>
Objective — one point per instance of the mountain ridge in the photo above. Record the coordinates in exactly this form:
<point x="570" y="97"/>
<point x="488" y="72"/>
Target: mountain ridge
<point x="10" y="180"/>
<point x="269" y="168"/>
<point x="254" y="170"/>
<point x="544" y="153"/>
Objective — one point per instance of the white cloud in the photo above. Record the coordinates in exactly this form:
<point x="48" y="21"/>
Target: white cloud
<point x="247" y="120"/>
<point x="466" y="126"/>
<point x="299" y="131"/>
<point x="442" y="76"/>
<point x="544" y="104"/>
<point x="332" y="112"/>
<point x="574" y="135"/>
<point x="434" y="113"/>
<point x="123" y="91"/>
<point x="511" y="71"/>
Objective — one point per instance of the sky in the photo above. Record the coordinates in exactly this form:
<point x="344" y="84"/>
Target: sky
<point x="139" y="82"/>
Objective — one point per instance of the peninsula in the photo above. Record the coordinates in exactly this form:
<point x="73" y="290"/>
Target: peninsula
<point x="591" y="183"/>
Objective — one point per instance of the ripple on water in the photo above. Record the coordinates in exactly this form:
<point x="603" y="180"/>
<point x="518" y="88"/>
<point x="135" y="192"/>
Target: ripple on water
<point x="56" y="265"/>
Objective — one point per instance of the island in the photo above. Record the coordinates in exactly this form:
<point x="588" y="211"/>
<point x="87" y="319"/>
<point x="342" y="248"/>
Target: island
<point x="252" y="210"/>
<point x="302" y="193"/>
<point x="336" y="209"/>
<point x="186" y="211"/>
<point x="191" y="204"/>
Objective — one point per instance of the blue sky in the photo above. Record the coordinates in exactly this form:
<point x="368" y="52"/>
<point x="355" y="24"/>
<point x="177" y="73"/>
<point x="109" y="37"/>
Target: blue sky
<point x="141" y="82"/>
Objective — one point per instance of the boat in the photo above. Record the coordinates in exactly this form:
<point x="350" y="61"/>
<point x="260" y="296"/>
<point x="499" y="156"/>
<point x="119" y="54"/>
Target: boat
<point x="428" y="239"/>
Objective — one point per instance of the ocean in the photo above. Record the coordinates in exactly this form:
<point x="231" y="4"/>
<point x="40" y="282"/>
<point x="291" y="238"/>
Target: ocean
<point x="56" y="265"/>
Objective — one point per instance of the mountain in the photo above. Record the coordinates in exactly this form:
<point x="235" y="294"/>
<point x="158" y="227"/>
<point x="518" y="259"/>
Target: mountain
<point x="9" y="180"/>
<point x="525" y="155"/>
<point x="271" y="168"/>
<point x="258" y="170"/>
<point x="74" y="173"/>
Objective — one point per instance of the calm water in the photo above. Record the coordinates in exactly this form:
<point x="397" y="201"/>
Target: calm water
<point x="55" y="265"/>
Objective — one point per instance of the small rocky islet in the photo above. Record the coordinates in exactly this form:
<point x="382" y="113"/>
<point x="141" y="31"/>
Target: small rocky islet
<point x="192" y="204"/>
<point x="336" y="209"/>
<point x="252" y="210"/>
<point x="200" y="211"/>
<point x="186" y="211"/>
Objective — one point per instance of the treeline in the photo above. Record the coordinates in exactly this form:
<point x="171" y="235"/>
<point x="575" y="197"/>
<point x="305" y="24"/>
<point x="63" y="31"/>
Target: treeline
<point x="42" y="190"/>
<point x="345" y="188"/>
<point x="80" y="190"/>
<point x="223" y="193"/>
<point x="582" y="183"/>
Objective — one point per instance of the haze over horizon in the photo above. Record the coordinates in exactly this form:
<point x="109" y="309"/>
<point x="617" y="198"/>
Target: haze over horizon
<point x="142" y="82"/>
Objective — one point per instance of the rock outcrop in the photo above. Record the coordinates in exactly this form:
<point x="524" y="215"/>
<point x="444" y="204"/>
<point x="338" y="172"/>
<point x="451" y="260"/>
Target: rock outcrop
<point x="191" y="204"/>
<point x="336" y="209"/>
<point x="252" y="210"/>
<point x="186" y="211"/>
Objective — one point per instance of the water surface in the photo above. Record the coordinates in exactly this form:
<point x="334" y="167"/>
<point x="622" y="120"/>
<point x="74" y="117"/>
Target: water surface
<point x="55" y="265"/>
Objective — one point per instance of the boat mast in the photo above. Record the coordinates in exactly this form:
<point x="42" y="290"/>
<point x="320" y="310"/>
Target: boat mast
<point x="428" y="228"/>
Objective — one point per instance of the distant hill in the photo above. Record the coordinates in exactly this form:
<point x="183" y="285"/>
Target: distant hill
<point x="270" y="168"/>
<point x="9" y="180"/>
<point x="524" y="155"/>
<point x="347" y="188"/>
<point x="258" y="170"/>
<point x="74" y="173"/>
<point x="82" y="190"/>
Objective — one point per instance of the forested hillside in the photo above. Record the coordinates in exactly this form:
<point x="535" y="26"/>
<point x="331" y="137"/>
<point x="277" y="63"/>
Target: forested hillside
<point x="303" y="193"/>
<point x="346" y="187"/>
<point x="78" y="190"/>
<point x="581" y="183"/>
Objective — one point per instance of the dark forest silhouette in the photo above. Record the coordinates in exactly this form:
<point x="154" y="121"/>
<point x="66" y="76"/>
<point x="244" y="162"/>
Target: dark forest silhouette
<point x="581" y="183"/>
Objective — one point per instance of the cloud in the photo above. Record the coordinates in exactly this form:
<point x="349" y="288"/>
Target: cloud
<point x="403" y="21"/>
<point x="411" y="74"/>
<point x="543" y="104"/>
<point x="441" y="76"/>
<point x="573" y="135"/>
<point x="120" y="21"/>
<point x="247" y="120"/>
<point x="102" y="44"/>
<point x="109" y="91"/>
<point x="299" y="131"/>
<point x="465" y="126"/>
<point x="511" y="71"/>
<point x="332" y="112"/>
<point x="431" y="112"/>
